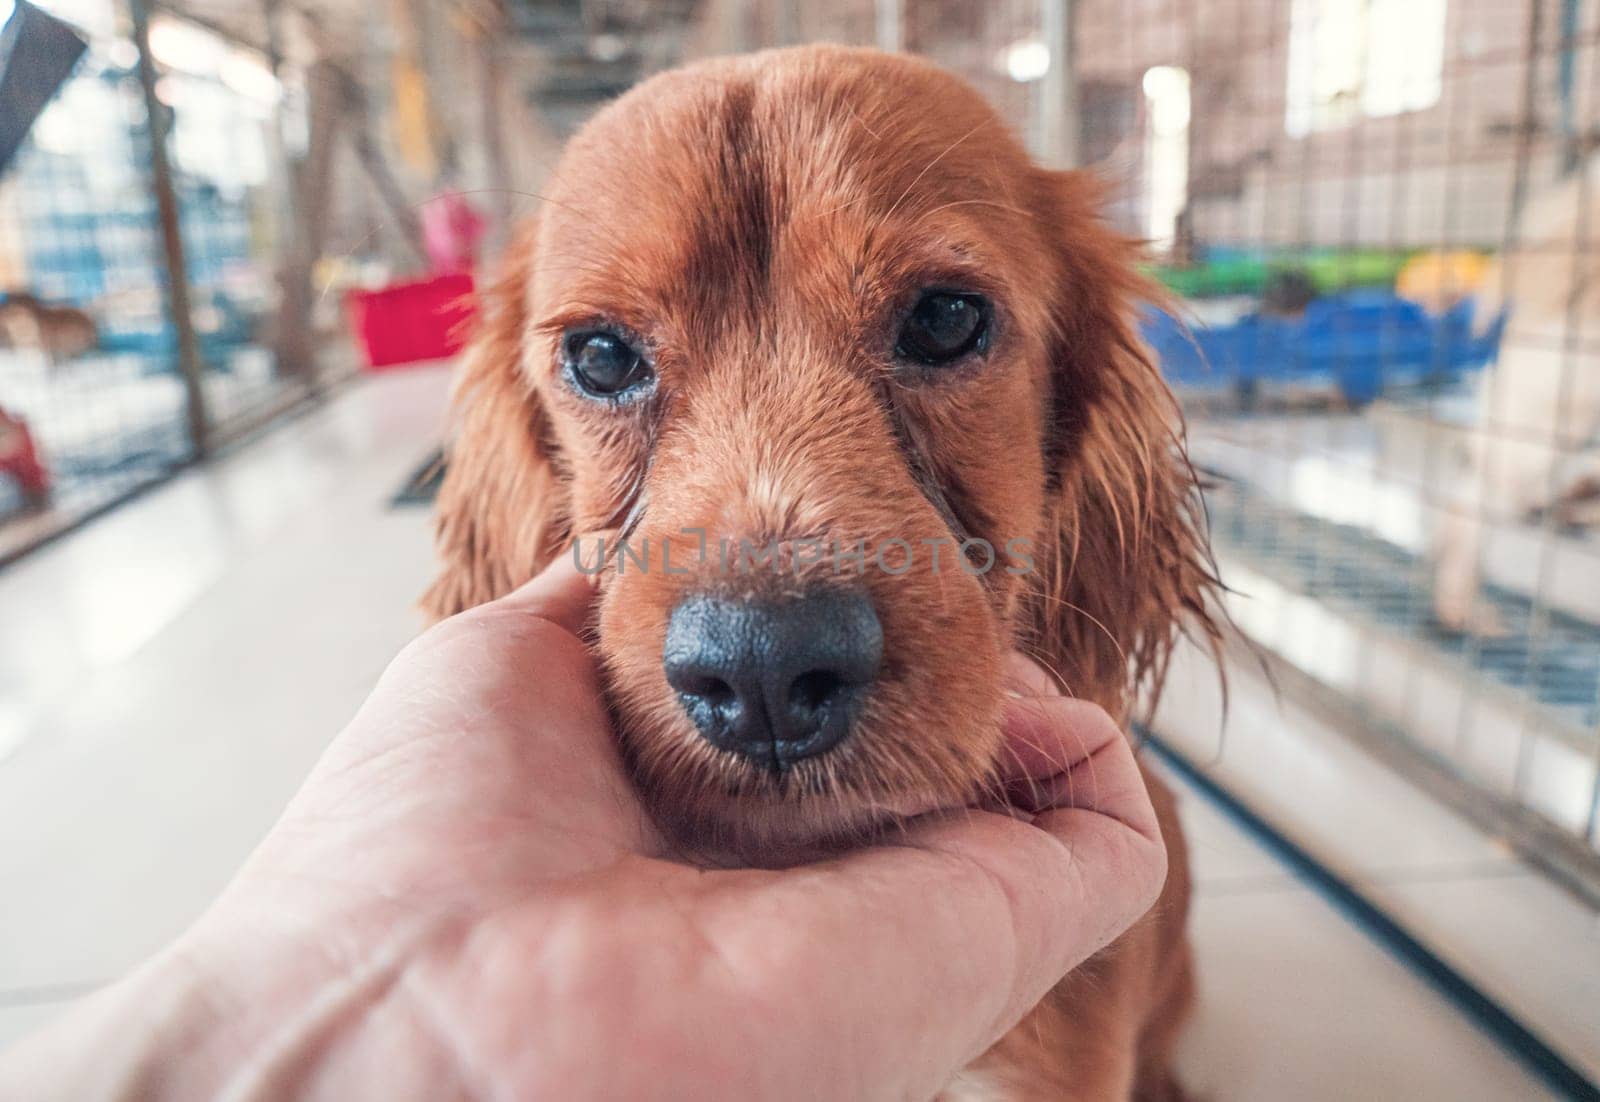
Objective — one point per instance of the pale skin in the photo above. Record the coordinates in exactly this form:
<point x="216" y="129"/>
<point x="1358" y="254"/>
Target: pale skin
<point x="466" y="899"/>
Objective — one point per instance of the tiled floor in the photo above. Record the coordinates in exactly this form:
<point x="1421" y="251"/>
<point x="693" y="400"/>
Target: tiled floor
<point x="1532" y="946"/>
<point x="168" y="674"/>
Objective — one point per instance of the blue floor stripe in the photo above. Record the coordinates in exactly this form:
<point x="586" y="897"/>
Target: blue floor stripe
<point x="1517" y="1039"/>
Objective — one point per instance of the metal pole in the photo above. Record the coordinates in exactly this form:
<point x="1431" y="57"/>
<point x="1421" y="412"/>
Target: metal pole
<point x="1571" y="151"/>
<point x="492" y="71"/>
<point x="294" y="339"/>
<point x="1058" y="91"/>
<point x="891" y="25"/>
<point x="1492" y="426"/>
<point x="1528" y="123"/>
<point x="189" y="367"/>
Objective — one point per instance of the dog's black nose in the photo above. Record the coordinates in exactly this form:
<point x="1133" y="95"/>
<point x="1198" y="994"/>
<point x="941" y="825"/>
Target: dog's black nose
<point x="775" y="681"/>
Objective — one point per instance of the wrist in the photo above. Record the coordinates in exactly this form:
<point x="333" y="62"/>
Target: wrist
<point x="151" y="1034"/>
<point x="232" y="1004"/>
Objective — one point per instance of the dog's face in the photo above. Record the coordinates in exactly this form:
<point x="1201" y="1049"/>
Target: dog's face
<point x="854" y="379"/>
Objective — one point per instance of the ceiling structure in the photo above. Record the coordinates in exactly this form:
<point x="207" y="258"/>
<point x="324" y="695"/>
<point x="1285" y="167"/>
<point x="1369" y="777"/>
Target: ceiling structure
<point x="595" y="49"/>
<point x="588" y="50"/>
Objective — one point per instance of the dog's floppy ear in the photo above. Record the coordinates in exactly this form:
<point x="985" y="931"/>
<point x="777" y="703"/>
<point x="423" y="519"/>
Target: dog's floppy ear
<point x="501" y="512"/>
<point x="1124" y="562"/>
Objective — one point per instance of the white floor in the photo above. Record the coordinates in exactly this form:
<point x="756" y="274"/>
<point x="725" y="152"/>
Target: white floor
<point x="1295" y="1003"/>
<point x="170" y="672"/>
<point x="1530" y="945"/>
<point x="1345" y="1020"/>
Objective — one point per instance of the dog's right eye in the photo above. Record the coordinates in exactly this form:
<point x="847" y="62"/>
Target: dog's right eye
<point x="605" y="365"/>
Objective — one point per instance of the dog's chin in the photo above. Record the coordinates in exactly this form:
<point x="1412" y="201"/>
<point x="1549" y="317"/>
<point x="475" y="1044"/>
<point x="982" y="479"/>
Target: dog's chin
<point x="715" y="808"/>
<point x="774" y="832"/>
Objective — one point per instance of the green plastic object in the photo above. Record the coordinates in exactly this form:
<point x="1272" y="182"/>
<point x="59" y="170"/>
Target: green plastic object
<point x="1330" y="270"/>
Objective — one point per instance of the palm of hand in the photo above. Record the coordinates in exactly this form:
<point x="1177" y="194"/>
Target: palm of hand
<point x="467" y="899"/>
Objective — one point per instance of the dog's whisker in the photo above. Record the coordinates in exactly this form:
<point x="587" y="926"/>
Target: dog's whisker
<point x="977" y="203"/>
<point x="848" y="106"/>
<point x="1049" y="668"/>
<point x="893" y="207"/>
<point x="1086" y="614"/>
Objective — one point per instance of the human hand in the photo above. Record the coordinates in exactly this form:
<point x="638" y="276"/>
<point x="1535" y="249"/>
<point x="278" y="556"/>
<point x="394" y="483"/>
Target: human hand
<point x="467" y="899"/>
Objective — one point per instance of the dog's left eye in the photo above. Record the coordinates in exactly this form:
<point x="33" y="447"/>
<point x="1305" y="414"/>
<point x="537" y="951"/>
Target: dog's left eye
<point x="604" y="364"/>
<point x="943" y="327"/>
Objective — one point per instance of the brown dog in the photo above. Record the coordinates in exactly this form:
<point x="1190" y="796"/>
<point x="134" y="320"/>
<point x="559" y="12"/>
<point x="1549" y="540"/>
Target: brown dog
<point x="60" y="332"/>
<point x="820" y="298"/>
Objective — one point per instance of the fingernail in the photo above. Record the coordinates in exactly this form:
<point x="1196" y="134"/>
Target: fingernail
<point x="1024" y="678"/>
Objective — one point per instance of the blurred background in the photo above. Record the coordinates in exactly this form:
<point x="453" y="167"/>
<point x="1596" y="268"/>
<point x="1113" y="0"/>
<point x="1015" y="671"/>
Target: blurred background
<point x="238" y="246"/>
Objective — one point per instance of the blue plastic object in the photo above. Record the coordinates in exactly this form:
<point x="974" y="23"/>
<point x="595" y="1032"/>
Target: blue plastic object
<point x="1359" y="342"/>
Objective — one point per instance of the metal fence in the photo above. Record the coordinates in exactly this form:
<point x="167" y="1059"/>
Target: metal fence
<point x="1378" y="215"/>
<point x="140" y="247"/>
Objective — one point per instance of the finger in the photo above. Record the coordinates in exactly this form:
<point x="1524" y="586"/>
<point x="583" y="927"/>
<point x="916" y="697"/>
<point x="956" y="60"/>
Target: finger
<point x="931" y="951"/>
<point x="1063" y="753"/>
<point x="564" y="592"/>
<point x="1027" y="751"/>
<point x="925" y="955"/>
<point x="502" y="719"/>
<point x="1025" y="677"/>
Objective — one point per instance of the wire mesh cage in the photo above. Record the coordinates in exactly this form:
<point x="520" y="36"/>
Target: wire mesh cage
<point x="229" y="183"/>
<point x="83" y="375"/>
<point x="1376" y="217"/>
<point x="1372" y="219"/>
<point x="97" y="302"/>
